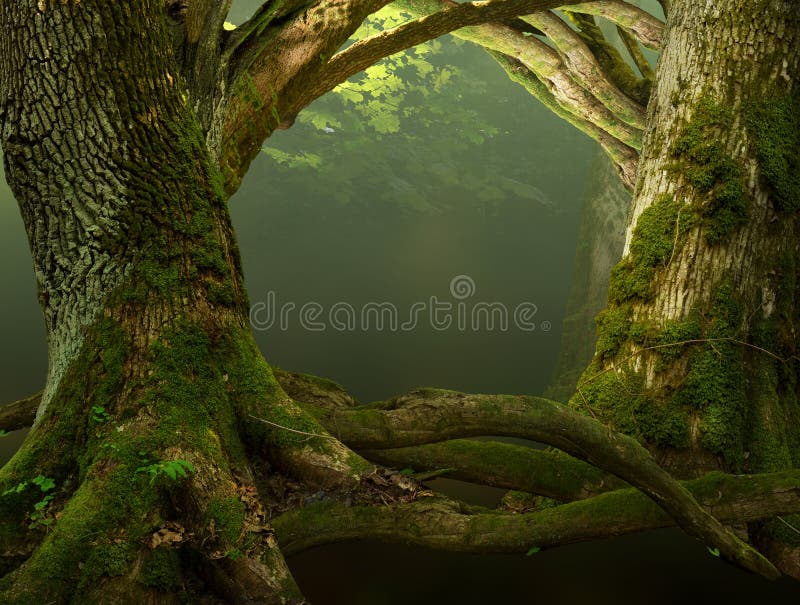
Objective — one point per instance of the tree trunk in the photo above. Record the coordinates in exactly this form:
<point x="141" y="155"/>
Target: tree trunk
<point x="697" y="349"/>
<point x="144" y="425"/>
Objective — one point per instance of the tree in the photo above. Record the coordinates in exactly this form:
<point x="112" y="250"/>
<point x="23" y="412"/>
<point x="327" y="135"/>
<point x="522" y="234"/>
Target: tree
<point x="164" y="443"/>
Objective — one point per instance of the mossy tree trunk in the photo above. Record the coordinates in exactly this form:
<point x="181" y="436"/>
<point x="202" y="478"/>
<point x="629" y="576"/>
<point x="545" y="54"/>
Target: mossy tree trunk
<point x="151" y="357"/>
<point x="697" y="347"/>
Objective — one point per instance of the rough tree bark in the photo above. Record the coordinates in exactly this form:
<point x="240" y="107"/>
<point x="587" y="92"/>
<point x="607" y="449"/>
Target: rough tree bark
<point x="697" y="347"/>
<point x="163" y="442"/>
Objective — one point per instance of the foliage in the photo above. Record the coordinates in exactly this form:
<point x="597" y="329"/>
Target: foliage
<point x="39" y="514"/>
<point x="99" y="414"/>
<point x="170" y="468"/>
<point x="433" y="108"/>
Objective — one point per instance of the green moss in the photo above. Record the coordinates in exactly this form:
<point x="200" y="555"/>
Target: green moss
<point x="774" y="126"/>
<point x="619" y="398"/>
<point x="784" y="530"/>
<point x="253" y="384"/>
<point x="613" y="329"/>
<point x="161" y="569"/>
<point x="107" y="560"/>
<point x="220" y="293"/>
<point x="673" y="333"/>
<point x="630" y="280"/>
<point x="699" y="156"/>
<point x="664" y="424"/>
<point x="654" y="237"/>
<point x="99" y="508"/>
<point x="715" y="383"/>
<point x="228" y="518"/>
<point x="178" y="230"/>
<point x="721" y="432"/>
<point x="660" y="231"/>
<point x="93" y="379"/>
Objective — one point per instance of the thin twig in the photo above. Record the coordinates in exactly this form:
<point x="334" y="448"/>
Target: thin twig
<point x="789" y="525"/>
<point x="291" y="430"/>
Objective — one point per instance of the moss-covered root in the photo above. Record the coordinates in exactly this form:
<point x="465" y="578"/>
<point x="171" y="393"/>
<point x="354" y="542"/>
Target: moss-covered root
<point x="443" y="524"/>
<point x="313" y="389"/>
<point x="430" y="416"/>
<point x="31" y="483"/>
<point x="234" y="541"/>
<point x="115" y="541"/>
<point x="277" y="428"/>
<point x="542" y="472"/>
<point x="97" y="536"/>
<point x="779" y="539"/>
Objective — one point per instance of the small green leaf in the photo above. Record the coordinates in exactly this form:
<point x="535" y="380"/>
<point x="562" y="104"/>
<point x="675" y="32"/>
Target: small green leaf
<point x="45" y="483"/>
<point x="714" y="551"/>
<point x="4" y="433"/>
<point x="186" y="464"/>
<point x="532" y="551"/>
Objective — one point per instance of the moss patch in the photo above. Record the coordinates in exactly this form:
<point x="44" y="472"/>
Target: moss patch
<point x="699" y="155"/>
<point x="619" y="398"/>
<point x="660" y="231"/>
<point x="774" y="126"/>
<point x="161" y="569"/>
<point x="227" y="516"/>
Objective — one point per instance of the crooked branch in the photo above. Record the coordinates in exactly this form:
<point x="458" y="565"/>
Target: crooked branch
<point x="450" y="16"/>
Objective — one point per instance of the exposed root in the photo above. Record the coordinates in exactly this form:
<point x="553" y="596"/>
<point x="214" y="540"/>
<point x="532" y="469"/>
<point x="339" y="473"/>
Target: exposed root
<point x="429" y="416"/>
<point x="441" y="523"/>
<point x="19" y="414"/>
<point x="542" y="472"/>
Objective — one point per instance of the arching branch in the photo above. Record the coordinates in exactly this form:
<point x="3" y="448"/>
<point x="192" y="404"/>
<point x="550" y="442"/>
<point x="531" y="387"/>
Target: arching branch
<point x="646" y="28"/>
<point x="448" y="17"/>
<point x="585" y="68"/>
<point x="265" y="76"/>
<point x="538" y="67"/>
<point x="624" y="157"/>
<point x="615" y="66"/>
<point x="247" y="40"/>
<point x="443" y="524"/>
<point x="642" y="64"/>
<point x="573" y="97"/>
<point x="267" y="94"/>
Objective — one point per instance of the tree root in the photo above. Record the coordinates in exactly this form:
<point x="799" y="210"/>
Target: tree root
<point x="19" y="414"/>
<point x="429" y="416"/>
<point x="441" y="523"/>
<point x="313" y="443"/>
<point x="275" y="427"/>
<point x="541" y="472"/>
